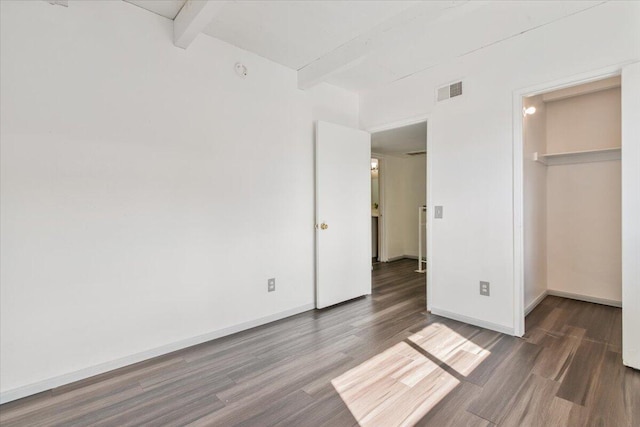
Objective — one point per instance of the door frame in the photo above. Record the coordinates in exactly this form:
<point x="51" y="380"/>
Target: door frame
<point x="518" y="175"/>
<point x="426" y="118"/>
<point x="382" y="239"/>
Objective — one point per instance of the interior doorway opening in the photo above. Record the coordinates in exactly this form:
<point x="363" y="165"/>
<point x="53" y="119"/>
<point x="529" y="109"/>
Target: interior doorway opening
<point x="572" y="187"/>
<point x="399" y="200"/>
<point x="375" y="210"/>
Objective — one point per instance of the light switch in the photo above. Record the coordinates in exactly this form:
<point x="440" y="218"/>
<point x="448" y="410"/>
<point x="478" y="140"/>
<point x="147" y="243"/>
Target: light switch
<point x="437" y="212"/>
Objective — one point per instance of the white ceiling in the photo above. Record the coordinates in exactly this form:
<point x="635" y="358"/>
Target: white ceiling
<point x="295" y="33"/>
<point x="167" y="8"/>
<point x="402" y="140"/>
<point x="360" y="45"/>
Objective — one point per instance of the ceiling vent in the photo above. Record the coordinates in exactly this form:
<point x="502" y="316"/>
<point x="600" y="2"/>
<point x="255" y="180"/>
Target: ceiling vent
<point x="416" y="153"/>
<point x="449" y="91"/>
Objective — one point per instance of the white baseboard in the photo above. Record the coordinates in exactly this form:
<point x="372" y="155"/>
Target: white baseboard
<point x="586" y="298"/>
<point x="570" y="295"/>
<point x="473" y="321"/>
<point x="48" y="384"/>
<point x="397" y="258"/>
<point x="535" y="303"/>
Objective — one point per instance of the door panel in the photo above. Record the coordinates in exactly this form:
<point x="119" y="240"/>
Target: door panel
<point x="630" y="214"/>
<point x="343" y="214"/>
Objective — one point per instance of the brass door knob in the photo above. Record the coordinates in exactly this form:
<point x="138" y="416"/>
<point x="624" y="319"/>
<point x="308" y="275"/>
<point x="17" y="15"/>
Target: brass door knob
<point x="324" y="226"/>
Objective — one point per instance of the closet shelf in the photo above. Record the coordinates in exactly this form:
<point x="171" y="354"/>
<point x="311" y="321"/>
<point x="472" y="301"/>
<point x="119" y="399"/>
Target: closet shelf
<point x="587" y="156"/>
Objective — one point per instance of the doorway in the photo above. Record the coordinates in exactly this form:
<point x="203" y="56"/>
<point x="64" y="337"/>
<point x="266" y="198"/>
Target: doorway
<point x="572" y="194"/>
<point x="629" y="154"/>
<point x="568" y="154"/>
<point x="375" y="210"/>
<point x="399" y="202"/>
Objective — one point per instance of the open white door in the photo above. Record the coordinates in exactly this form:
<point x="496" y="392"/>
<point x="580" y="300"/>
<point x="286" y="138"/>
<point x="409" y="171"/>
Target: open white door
<point x="631" y="215"/>
<point x="343" y="214"/>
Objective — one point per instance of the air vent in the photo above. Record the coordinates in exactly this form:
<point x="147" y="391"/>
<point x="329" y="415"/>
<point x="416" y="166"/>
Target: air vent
<point x="416" y="153"/>
<point x="449" y="91"/>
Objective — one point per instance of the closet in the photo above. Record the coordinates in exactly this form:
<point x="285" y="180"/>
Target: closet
<point x="572" y="194"/>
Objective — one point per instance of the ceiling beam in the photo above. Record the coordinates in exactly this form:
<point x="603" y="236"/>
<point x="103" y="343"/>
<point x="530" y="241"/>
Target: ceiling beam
<point x="64" y="3"/>
<point x="381" y="36"/>
<point x="337" y="61"/>
<point x="194" y="17"/>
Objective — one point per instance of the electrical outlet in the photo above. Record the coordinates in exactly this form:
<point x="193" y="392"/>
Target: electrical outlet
<point x="437" y="212"/>
<point x="485" y="288"/>
<point x="271" y="285"/>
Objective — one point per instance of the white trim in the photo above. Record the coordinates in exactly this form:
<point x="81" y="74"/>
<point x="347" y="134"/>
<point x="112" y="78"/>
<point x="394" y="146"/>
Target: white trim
<point x="585" y="298"/>
<point x="401" y="123"/>
<point x="518" y="175"/>
<point x="472" y="321"/>
<point x="518" y="217"/>
<point x="574" y="80"/>
<point x="429" y="160"/>
<point x="40" y="386"/>
<point x="533" y="304"/>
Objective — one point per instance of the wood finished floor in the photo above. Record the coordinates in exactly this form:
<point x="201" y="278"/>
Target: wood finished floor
<point x="375" y="361"/>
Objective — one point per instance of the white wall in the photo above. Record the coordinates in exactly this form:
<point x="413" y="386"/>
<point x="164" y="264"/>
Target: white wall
<point x="405" y="190"/>
<point x="138" y="180"/>
<point x="630" y="215"/>
<point x="471" y="144"/>
<point x="585" y="122"/>
<point x="583" y="206"/>
<point x="535" y="203"/>
<point x="393" y="207"/>
<point x="416" y="195"/>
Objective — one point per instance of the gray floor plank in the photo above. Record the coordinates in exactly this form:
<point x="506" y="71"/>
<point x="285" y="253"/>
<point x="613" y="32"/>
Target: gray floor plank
<point x="410" y="367"/>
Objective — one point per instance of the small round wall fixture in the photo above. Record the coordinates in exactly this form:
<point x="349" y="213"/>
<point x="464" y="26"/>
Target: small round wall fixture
<point x="528" y="111"/>
<point x="241" y="70"/>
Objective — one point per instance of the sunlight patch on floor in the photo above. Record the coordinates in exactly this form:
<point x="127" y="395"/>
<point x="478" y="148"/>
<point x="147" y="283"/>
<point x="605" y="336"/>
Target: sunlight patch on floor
<point x="403" y="383"/>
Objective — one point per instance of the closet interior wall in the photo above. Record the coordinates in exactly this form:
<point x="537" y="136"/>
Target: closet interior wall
<point x="573" y="209"/>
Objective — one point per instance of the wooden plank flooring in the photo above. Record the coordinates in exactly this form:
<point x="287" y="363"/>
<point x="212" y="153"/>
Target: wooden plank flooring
<point x="374" y="361"/>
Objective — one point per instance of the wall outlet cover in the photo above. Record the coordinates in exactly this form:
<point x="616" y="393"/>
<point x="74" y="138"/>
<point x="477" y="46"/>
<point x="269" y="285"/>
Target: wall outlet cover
<point x="271" y="285"/>
<point x="485" y="288"/>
